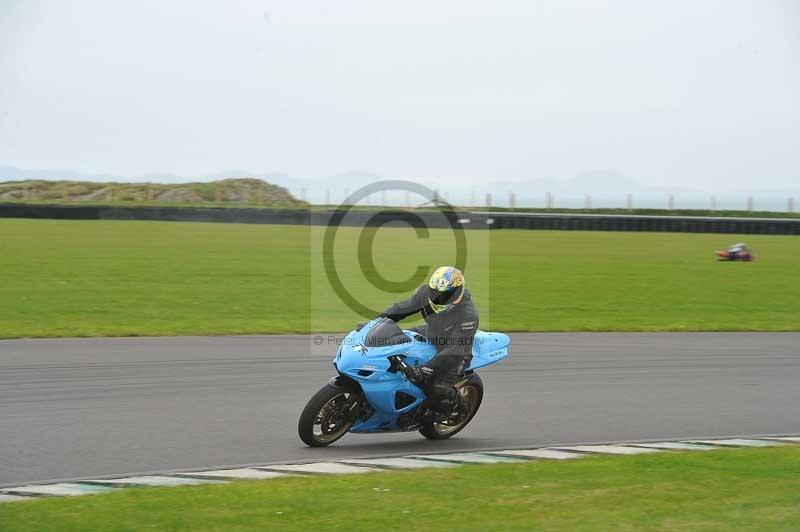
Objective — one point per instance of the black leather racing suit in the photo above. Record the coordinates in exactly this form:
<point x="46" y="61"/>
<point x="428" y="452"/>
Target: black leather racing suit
<point x="451" y="332"/>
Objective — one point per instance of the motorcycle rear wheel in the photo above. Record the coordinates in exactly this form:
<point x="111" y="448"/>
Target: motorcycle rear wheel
<point x="472" y="396"/>
<point x="327" y="416"/>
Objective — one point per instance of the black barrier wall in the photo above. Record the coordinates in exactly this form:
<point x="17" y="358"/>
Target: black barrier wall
<point x="468" y="220"/>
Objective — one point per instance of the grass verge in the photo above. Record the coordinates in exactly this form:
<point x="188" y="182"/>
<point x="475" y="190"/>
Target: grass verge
<point x="725" y="490"/>
<point x="114" y="278"/>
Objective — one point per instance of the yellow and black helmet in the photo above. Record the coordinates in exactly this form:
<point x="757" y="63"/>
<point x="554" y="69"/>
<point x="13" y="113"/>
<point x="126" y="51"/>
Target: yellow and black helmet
<point x="445" y="288"/>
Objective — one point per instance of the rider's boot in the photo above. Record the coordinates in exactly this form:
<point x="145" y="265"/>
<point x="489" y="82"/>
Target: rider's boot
<point x="450" y="409"/>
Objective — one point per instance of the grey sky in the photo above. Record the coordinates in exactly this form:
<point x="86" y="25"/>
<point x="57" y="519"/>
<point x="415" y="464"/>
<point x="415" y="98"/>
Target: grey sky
<point x="690" y="93"/>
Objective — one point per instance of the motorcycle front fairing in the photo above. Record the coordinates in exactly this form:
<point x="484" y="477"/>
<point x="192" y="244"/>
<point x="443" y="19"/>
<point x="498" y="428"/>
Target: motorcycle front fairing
<point x="383" y="389"/>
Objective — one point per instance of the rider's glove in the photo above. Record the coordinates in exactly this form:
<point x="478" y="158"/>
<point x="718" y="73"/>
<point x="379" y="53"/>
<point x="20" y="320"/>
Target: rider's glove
<point x="418" y="375"/>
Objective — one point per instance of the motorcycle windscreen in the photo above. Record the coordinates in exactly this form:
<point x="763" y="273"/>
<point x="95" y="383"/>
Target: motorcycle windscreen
<point x="386" y="332"/>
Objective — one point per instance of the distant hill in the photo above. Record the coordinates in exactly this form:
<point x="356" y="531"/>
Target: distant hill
<point x="598" y="189"/>
<point x="225" y="191"/>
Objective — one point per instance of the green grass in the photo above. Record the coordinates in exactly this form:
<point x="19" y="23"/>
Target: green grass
<point x="107" y="278"/>
<point x="725" y="490"/>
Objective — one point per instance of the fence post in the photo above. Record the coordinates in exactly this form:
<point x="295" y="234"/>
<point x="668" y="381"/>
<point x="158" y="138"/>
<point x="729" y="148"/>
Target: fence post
<point x="671" y="202"/>
<point x="488" y="201"/>
<point x="750" y="203"/>
<point x="791" y="205"/>
<point x="512" y="200"/>
<point x="549" y="200"/>
<point x="587" y="202"/>
<point x="629" y="202"/>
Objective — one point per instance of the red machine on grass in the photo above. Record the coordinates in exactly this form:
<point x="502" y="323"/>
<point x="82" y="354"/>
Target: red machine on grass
<point x="736" y="252"/>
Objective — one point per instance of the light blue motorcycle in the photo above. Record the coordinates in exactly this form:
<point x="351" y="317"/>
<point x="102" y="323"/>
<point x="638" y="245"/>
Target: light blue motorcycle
<point x="371" y="393"/>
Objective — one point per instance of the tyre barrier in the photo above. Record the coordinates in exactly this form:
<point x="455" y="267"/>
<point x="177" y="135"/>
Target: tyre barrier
<point x="432" y="219"/>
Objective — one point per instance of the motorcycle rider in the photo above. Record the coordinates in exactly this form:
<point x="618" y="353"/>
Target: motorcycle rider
<point x="737" y="249"/>
<point x="451" y="320"/>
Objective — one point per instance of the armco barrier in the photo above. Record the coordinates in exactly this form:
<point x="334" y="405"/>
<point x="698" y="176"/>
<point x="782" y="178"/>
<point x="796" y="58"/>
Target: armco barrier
<point x="173" y="214"/>
<point x="469" y="220"/>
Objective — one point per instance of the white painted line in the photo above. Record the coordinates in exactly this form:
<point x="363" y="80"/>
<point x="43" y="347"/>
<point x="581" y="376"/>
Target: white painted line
<point x="676" y="445"/>
<point x="608" y="449"/>
<point x="152" y="480"/>
<point x="247" y="473"/>
<point x="795" y="439"/>
<point x="60" y="489"/>
<point x="329" y="468"/>
<point x="549" y="454"/>
<point x="467" y="458"/>
<point x="399" y="463"/>
<point x="12" y="498"/>
<point x="740" y="442"/>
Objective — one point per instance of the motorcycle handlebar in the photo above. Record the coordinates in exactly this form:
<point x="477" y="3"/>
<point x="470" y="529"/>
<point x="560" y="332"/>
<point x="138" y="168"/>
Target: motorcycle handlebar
<point x="397" y="363"/>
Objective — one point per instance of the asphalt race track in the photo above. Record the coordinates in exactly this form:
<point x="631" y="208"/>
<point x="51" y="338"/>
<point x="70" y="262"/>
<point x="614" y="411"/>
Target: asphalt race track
<point x="92" y="407"/>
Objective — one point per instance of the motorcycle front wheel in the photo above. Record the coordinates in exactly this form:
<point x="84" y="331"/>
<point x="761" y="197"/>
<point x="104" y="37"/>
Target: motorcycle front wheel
<point x="328" y="416"/>
<point x="471" y="393"/>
